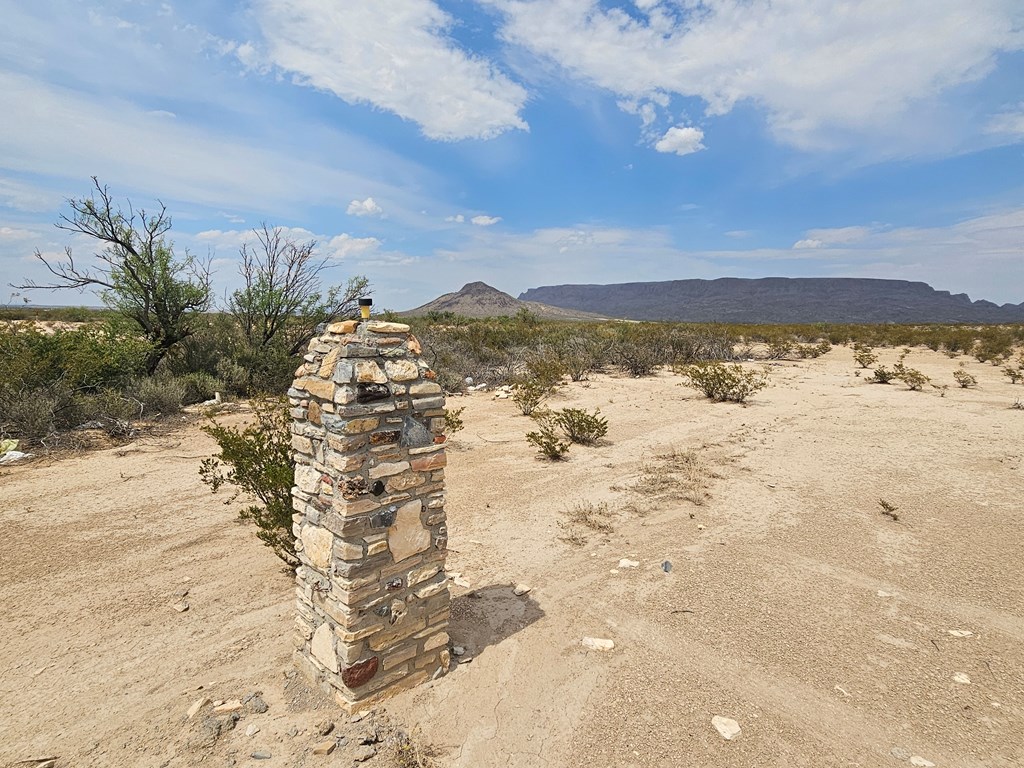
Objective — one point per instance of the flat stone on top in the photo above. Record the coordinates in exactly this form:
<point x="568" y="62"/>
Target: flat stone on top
<point x="382" y="327"/>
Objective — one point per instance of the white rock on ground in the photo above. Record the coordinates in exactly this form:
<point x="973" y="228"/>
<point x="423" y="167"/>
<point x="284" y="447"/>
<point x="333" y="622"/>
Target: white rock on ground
<point x="597" y="644"/>
<point x="728" y="728"/>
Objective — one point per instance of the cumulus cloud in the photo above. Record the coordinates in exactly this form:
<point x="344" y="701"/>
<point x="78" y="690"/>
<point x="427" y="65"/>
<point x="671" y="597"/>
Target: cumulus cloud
<point x="681" y="140"/>
<point x="367" y="207"/>
<point x="814" y="71"/>
<point x="456" y="219"/>
<point x="344" y="246"/>
<point x="396" y="55"/>
<point x="808" y="243"/>
<point x="485" y="221"/>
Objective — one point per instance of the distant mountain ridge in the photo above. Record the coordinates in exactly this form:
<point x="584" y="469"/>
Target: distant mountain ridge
<point x="777" y="300"/>
<point x="481" y="300"/>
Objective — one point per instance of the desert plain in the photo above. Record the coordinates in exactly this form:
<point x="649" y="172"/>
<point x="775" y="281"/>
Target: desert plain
<point x="738" y="557"/>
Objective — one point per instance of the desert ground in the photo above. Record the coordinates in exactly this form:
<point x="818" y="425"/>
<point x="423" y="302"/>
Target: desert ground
<point x="769" y="588"/>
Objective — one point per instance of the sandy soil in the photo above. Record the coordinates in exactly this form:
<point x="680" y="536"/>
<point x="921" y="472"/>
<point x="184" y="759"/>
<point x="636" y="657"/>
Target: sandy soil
<point x="793" y="605"/>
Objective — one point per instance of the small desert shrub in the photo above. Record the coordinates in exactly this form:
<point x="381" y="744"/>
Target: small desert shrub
<point x="257" y="461"/>
<point x="912" y="377"/>
<point x="963" y="378"/>
<point x="1017" y="405"/>
<point x="453" y="420"/>
<point x="32" y="414"/>
<point x="779" y="348"/>
<point x="550" y="444"/>
<point x="882" y="375"/>
<point x="159" y="395"/>
<point x="529" y="394"/>
<point x="200" y="387"/>
<point x="864" y="355"/>
<point x="545" y="367"/>
<point x="720" y="382"/>
<point x="814" y="350"/>
<point x="581" y="427"/>
<point x="548" y="441"/>
<point x="1013" y="374"/>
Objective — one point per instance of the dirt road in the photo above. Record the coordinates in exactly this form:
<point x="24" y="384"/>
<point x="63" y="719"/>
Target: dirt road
<point x="785" y="600"/>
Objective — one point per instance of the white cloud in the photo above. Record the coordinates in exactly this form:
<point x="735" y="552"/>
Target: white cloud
<point x="827" y="238"/>
<point x="344" y="246"/>
<point x="840" y="235"/>
<point x="367" y="207"/>
<point x="10" y="233"/>
<point x="395" y="55"/>
<point x="739" y="234"/>
<point x="1009" y="123"/>
<point x="682" y="140"/>
<point x="456" y="219"/>
<point x="71" y="136"/>
<point x="824" y="77"/>
<point x="485" y="221"/>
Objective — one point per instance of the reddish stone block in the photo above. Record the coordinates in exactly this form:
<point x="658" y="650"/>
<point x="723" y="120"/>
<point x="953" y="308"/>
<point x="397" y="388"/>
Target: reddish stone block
<point x="361" y="672"/>
<point x="433" y="461"/>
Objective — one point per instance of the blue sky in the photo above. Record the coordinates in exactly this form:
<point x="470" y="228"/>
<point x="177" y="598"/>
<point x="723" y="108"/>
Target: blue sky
<point x="431" y="143"/>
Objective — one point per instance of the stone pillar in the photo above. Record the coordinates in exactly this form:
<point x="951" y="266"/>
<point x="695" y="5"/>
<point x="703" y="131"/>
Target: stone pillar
<point x="368" y="435"/>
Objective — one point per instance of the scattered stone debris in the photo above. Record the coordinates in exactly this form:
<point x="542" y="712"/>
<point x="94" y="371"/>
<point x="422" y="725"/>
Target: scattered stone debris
<point x="920" y="762"/>
<point x="521" y="589"/>
<point x="226" y="707"/>
<point x="181" y="607"/>
<point x="727" y="728"/>
<point x="961" y="678"/>
<point x="324" y="727"/>
<point x="325" y="747"/>
<point x="363" y="753"/>
<point x="458" y="650"/>
<point x="196" y="706"/>
<point x="667" y="566"/>
<point x="842" y="690"/>
<point x="627" y="563"/>
<point x="597" y="644"/>
<point x="961" y="633"/>
<point x="883" y="593"/>
<point x="261" y="755"/>
<point x="255" y="704"/>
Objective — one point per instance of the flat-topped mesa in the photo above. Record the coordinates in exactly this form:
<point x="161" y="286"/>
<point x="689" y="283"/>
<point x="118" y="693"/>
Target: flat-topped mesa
<point x="368" y="439"/>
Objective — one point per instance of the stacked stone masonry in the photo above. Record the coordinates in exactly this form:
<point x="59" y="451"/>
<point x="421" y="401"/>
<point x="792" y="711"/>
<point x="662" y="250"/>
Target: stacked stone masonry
<point x="368" y="439"/>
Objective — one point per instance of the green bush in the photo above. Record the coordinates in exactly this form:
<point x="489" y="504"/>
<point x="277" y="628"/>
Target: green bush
<point x="551" y="445"/>
<point x="257" y="461"/>
<point x="159" y="395"/>
<point x="579" y="426"/>
<point x="864" y="355"/>
<point x="912" y="377"/>
<point x="882" y="375"/>
<point x="963" y="378"/>
<point x="529" y="394"/>
<point x="453" y="420"/>
<point x="1013" y="374"/>
<point x="721" y="383"/>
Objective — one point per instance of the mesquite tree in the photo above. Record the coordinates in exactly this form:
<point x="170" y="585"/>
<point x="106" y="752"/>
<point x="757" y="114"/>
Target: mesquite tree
<point x="137" y="273"/>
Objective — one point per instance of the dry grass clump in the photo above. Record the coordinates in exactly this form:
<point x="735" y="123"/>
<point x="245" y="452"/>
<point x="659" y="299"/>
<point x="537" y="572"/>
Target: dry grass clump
<point x="585" y="516"/>
<point x="674" y="474"/>
<point x="404" y="752"/>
